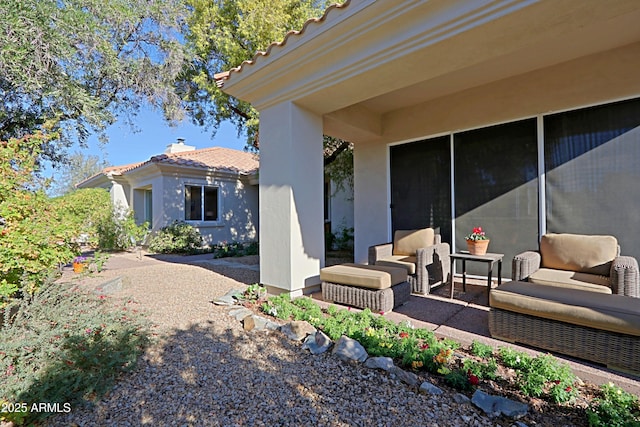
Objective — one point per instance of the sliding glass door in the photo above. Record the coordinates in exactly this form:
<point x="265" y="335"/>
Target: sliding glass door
<point x="421" y="186"/>
<point x="496" y="187"/>
<point x="591" y="180"/>
<point x="592" y="165"/>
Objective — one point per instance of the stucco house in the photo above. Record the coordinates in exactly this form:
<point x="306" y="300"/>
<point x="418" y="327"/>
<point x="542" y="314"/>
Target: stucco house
<point x="520" y="116"/>
<point x="214" y="189"/>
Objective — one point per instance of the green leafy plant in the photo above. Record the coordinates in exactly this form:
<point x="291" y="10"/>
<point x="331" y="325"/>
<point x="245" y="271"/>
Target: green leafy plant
<point x="119" y="230"/>
<point x="419" y="349"/>
<point x="178" y="237"/>
<point x="458" y="379"/>
<point x="234" y="249"/>
<point x="615" y="408"/>
<point x="481" y="350"/>
<point x="343" y="239"/>
<point x="482" y="370"/>
<point x="39" y="233"/>
<point x="541" y="376"/>
<point x="67" y="345"/>
<point x="98" y="261"/>
<point x="253" y="293"/>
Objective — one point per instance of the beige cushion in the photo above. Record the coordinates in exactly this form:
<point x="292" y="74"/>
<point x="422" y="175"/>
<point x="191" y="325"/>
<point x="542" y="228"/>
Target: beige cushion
<point x="615" y="313"/>
<point x="407" y="242"/>
<point x="400" y="261"/>
<point x="575" y="252"/>
<point x="571" y="279"/>
<point x="364" y="276"/>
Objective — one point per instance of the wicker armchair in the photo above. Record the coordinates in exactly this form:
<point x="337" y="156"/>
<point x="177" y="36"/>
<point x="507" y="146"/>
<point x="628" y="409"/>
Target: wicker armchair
<point x="581" y="262"/>
<point x="421" y="252"/>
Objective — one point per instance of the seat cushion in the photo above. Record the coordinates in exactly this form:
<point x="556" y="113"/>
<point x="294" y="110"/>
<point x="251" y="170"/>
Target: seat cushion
<point x="571" y="279"/>
<point x="364" y="276"/>
<point x="615" y="313"/>
<point x="576" y="252"/>
<point x="407" y="242"/>
<point x="400" y="261"/>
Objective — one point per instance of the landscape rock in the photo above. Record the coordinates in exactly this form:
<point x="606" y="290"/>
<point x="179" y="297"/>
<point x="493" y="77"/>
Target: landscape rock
<point x="317" y="343"/>
<point x="384" y="363"/>
<point x="428" y="388"/>
<point x="249" y="323"/>
<point x="110" y="287"/>
<point x="298" y="330"/>
<point x="228" y="298"/>
<point x="408" y="378"/>
<point x="240" y="313"/>
<point x="495" y="406"/>
<point x="350" y="349"/>
<point x="460" y="398"/>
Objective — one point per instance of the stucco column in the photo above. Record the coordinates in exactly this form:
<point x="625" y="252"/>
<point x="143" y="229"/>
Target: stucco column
<point x="371" y="211"/>
<point x="291" y="198"/>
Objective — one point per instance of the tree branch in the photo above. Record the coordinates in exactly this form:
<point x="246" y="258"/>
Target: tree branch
<point x="333" y="156"/>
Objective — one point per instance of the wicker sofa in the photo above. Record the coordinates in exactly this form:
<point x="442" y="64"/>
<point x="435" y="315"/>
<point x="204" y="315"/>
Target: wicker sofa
<point x="574" y="296"/>
<point x="421" y="252"/>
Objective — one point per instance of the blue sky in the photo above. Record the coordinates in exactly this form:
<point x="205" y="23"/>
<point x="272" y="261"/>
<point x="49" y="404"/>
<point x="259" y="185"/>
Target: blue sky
<point x="126" y="146"/>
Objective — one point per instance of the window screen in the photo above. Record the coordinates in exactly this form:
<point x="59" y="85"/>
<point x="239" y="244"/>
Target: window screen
<point x="592" y="163"/>
<point x="496" y="188"/>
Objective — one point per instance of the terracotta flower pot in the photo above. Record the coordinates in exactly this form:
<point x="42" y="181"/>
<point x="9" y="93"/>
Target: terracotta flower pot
<point x="78" y="267"/>
<point x="478" y="247"/>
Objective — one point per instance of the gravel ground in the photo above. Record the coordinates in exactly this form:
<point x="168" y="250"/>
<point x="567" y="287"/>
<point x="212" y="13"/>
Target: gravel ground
<point x="205" y="370"/>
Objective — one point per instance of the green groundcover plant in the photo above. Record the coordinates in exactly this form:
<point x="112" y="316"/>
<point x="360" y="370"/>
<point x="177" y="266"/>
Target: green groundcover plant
<point x="418" y="349"/>
<point x="65" y="346"/>
<point x="234" y="249"/>
<point x="615" y="408"/>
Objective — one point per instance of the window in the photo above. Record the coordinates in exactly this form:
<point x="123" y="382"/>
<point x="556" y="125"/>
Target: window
<point x="200" y="203"/>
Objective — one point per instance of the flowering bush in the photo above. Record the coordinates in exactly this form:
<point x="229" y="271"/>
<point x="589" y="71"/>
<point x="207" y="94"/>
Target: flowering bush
<point x="477" y="234"/>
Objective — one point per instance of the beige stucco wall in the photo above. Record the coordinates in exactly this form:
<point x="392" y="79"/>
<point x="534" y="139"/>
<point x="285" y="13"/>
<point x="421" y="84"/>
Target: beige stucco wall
<point x="591" y="80"/>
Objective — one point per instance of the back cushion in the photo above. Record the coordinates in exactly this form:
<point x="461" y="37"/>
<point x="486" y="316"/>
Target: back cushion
<point x="576" y="252"/>
<point x="406" y="242"/>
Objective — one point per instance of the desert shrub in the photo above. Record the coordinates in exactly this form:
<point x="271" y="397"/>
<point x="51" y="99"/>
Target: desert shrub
<point x="66" y="345"/>
<point x="234" y="249"/>
<point x="37" y="233"/>
<point x="177" y="238"/>
<point x="119" y="230"/>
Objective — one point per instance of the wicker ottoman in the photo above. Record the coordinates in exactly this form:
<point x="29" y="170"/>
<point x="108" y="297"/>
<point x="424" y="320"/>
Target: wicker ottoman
<point x="375" y="287"/>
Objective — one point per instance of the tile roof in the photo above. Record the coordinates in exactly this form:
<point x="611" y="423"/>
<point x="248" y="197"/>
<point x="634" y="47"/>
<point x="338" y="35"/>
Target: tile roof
<point x="220" y="158"/>
<point x="222" y="76"/>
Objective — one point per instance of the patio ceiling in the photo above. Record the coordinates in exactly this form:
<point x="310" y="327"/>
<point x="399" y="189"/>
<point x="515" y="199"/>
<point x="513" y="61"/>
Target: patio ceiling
<point x="362" y="62"/>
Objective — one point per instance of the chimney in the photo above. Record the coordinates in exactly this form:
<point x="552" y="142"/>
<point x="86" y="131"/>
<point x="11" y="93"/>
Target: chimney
<point x="178" y="147"/>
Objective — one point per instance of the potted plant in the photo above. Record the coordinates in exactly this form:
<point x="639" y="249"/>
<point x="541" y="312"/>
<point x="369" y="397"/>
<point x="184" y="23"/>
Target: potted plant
<point x="79" y="263"/>
<point x="477" y="242"/>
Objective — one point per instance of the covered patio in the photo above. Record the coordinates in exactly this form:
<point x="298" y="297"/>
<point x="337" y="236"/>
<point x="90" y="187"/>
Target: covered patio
<point x="519" y="116"/>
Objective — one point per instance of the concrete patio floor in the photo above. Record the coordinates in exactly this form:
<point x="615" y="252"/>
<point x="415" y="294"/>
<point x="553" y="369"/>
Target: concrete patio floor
<point x="465" y="319"/>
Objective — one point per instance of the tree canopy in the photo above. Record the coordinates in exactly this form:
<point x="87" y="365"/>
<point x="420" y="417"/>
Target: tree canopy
<point x="222" y="34"/>
<point x="74" y="169"/>
<point x="73" y="66"/>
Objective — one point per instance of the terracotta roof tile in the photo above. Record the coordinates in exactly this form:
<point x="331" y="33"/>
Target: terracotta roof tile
<point x="211" y="158"/>
<point x="220" y="158"/>
<point x="222" y="76"/>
